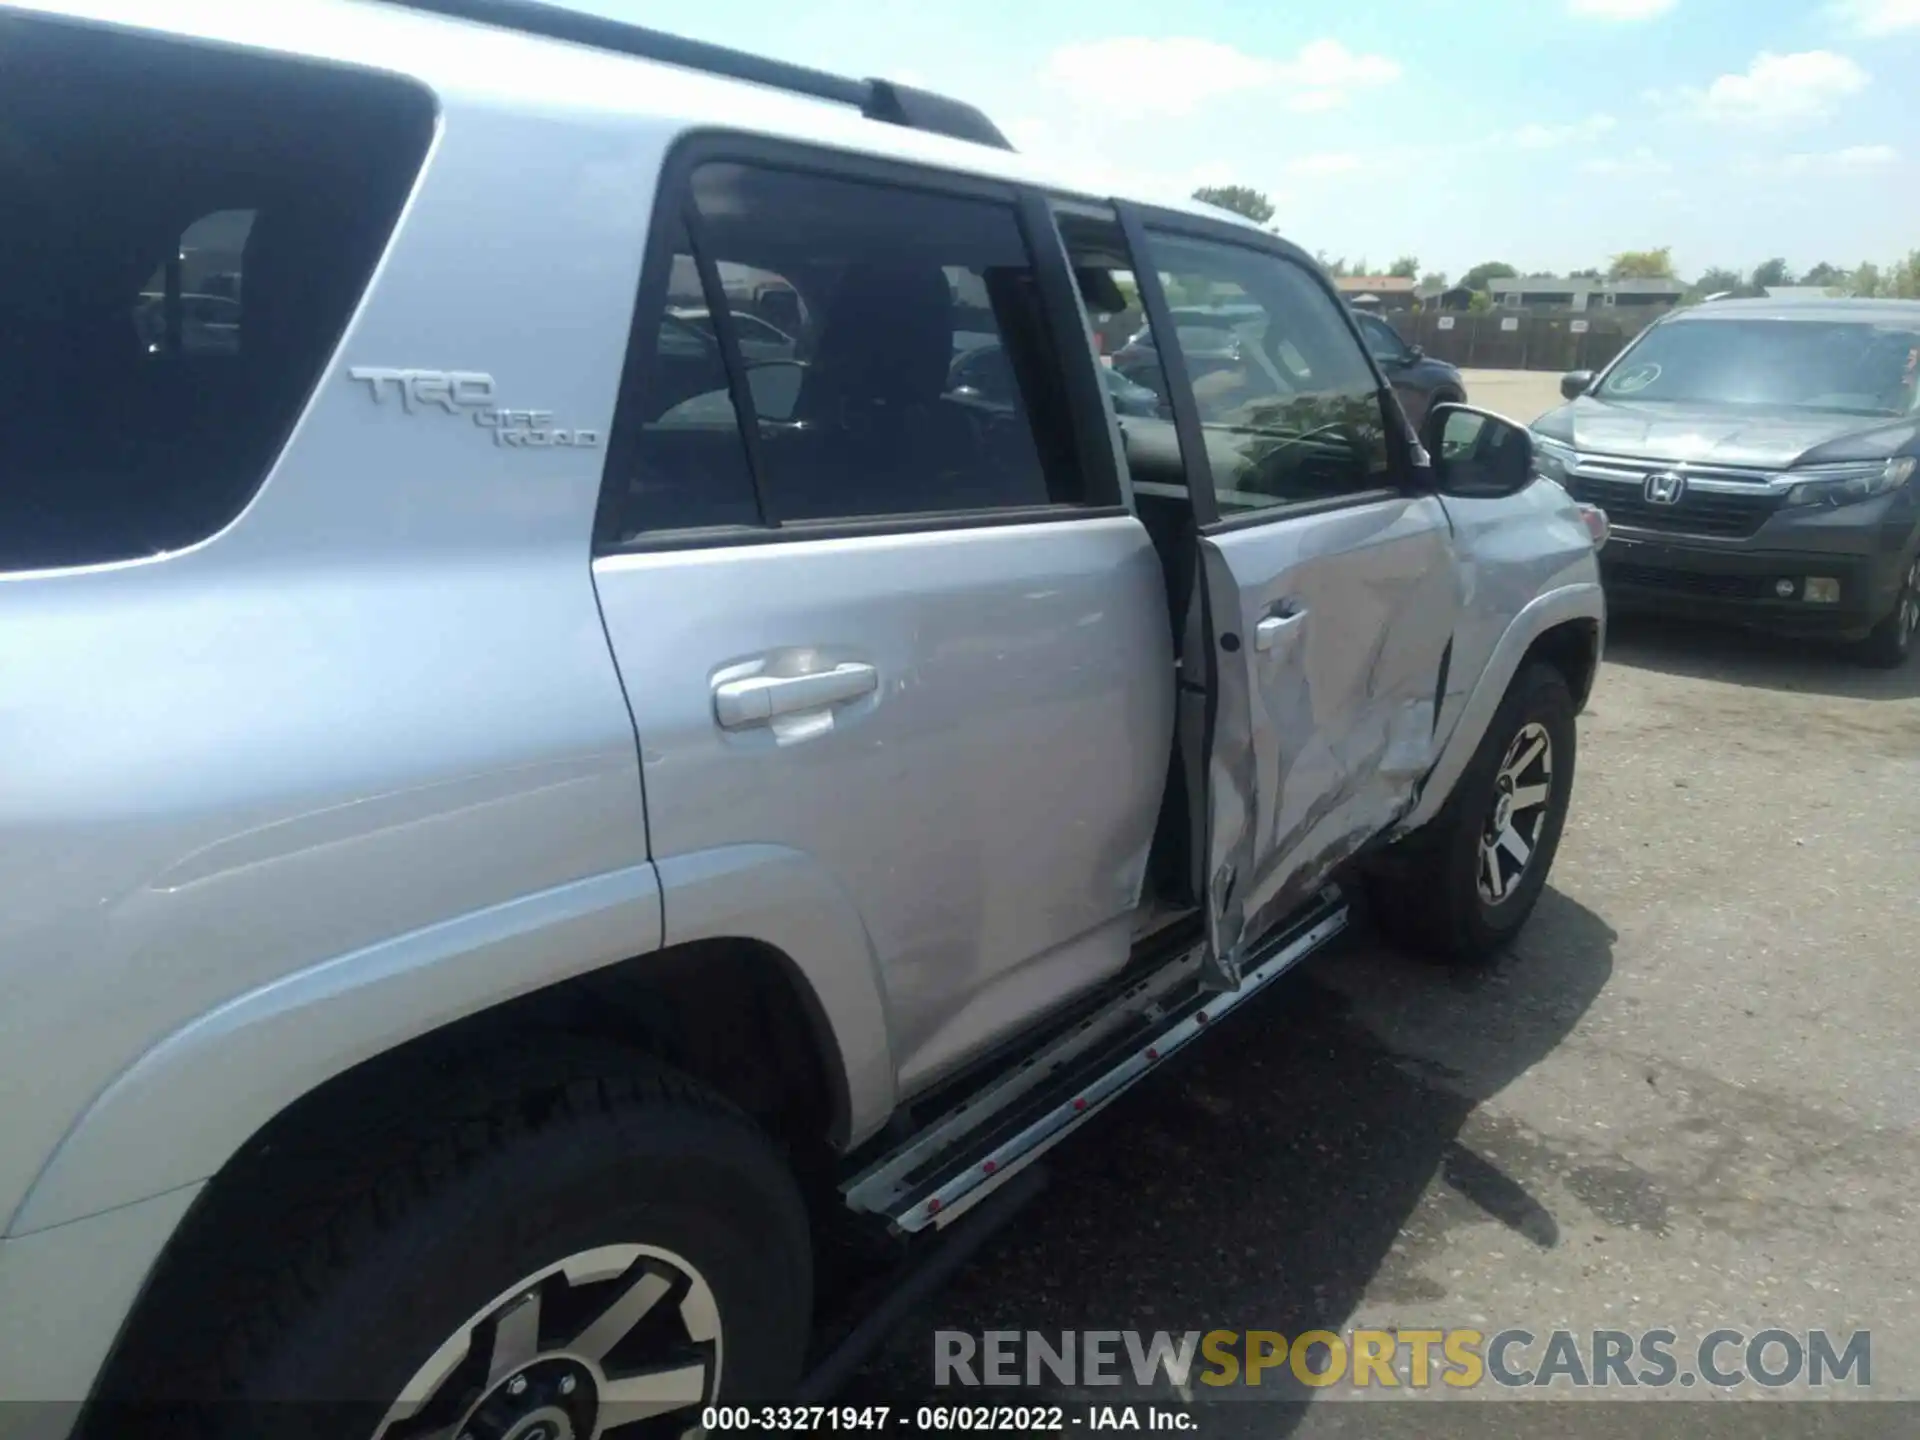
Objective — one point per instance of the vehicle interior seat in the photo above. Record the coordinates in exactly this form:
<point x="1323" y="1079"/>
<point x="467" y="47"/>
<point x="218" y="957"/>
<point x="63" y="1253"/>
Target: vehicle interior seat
<point x="872" y="410"/>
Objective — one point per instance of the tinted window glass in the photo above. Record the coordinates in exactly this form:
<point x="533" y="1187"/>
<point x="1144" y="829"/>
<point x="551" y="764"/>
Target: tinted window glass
<point x="1848" y="366"/>
<point x="1382" y="339"/>
<point x="157" y="191"/>
<point x="1289" y="406"/>
<point x="190" y="305"/>
<point x="688" y="463"/>
<point x="887" y="291"/>
<point x="1135" y="378"/>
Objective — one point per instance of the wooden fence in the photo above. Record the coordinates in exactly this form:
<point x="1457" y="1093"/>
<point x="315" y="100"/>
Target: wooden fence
<point x="1493" y="340"/>
<point x="1481" y="340"/>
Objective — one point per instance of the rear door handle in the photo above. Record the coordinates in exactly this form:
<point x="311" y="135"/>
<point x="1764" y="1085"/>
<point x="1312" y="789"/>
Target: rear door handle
<point x="755" y="700"/>
<point x="1270" y="631"/>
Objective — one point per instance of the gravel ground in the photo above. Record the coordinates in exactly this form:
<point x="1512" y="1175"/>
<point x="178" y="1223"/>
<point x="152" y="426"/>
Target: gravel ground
<point x="1521" y="394"/>
<point x="1688" y="1098"/>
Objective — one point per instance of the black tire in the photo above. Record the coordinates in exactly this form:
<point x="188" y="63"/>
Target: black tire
<point x="1890" y="643"/>
<point x="337" y="1304"/>
<point x="1426" y="890"/>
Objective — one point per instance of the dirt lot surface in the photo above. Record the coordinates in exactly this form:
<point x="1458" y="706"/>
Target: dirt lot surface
<point x="1520" y="394"/>
<point x="1689" y="1098"/>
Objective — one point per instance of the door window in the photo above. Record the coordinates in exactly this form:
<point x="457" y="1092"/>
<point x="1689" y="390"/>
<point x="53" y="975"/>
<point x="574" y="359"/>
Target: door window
<point x="1383" y="341"/>
<point x="895" y="349"/>
<point x="1289" y="407"/>
<point x="1134" y="375"/>
<point x="687" y="467"/>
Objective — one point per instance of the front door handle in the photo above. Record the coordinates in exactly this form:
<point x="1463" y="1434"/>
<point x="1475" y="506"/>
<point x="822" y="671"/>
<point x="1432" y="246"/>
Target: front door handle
<point x="1270" y="631"/>
<point x="758" y="698"/>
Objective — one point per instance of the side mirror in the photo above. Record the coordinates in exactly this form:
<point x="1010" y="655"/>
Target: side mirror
<point x="1415" y="354"/>
<point x="1575" y="383"/>
<point x="1476" y="453"/>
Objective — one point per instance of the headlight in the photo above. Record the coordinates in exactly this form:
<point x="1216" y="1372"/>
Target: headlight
<point x="1848" y="484"/>
<point x="1552" y="460"/>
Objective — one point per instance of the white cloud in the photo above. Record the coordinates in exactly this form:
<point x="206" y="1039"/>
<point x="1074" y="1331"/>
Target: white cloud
<point x="1618" y="9"/>
<point x="1337" y="162"/>
<point x="1877" y="17"/>
<point x="1177" y="75"/>
<point x="1325" y="72"/>
<point x="1549" y="137"/>
<point x="1640" y="162"/>
<point x="1780" y="90"/>
<point x="1088" y="160"/>
<point x="1852" y="160"/>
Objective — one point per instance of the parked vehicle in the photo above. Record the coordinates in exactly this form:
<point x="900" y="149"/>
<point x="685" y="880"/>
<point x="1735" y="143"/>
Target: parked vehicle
<point x="206" y="324"/>
<point x="983" y="374"/>
<point x="1212" y="338"/>
<point x="509" y="840"/>
<point x="1420" y="380"/>
<point x="759" y="342"/>
<point x="1756" y="458"/>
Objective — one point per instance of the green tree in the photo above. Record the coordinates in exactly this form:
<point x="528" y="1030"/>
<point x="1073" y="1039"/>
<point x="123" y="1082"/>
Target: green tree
<point x="1824" y="274"/>
<point x="1588" y="274"/>
<point x="1479" y="275"/>
<point x="1187" y="290"/>
<point x="1867" y="280"/>
<point x="1719" y="280"/>
<point x="1642" y="264"/>
<point x="1903" y="278"/>
<point x="1482" y="301"/>
<point x="1434" y="280"/>
<point x="1771" y="272"/>
<point x="1407" y="267"/>
<point x="1241" y="199"/>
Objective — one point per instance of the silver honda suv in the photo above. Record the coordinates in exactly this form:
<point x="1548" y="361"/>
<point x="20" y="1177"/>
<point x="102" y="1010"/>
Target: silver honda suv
<point x="530" y="802"/>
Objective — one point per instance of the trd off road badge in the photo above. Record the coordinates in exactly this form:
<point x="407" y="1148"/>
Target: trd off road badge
<point x="469" y="392"/>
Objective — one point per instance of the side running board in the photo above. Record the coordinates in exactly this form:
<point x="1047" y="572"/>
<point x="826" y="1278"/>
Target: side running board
<point x="969" y="1151"/>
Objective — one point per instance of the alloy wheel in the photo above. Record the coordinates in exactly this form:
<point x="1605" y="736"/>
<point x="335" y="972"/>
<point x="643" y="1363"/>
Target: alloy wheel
<point x="622" y="1341"/>
<point x="1522" y="788"/>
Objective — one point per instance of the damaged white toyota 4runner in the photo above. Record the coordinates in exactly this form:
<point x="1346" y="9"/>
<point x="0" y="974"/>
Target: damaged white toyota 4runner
<point x="599" y="680"/>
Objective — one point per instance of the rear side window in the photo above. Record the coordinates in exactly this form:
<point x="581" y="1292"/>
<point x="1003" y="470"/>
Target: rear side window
<point x="188" y="230"/>
<point x="190" y="305"/>
<point x="893" y="344"/>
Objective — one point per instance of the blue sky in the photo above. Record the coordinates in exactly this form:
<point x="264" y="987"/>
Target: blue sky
<point x="1546" y="133"/>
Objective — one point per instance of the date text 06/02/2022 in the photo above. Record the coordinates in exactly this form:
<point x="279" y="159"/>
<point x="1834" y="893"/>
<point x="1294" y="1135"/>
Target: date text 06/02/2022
<point x="976" y="1419"/>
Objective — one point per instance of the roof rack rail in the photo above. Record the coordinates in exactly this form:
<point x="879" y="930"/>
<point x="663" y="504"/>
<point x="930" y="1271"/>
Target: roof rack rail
<point x="882" y="100"/>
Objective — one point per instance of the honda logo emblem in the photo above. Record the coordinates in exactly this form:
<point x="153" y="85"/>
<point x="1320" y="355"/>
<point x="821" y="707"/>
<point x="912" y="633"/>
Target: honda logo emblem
<point x="1665" y="488"/>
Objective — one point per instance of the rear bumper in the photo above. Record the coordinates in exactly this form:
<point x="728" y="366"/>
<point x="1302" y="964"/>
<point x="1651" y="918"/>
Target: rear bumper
<point x="1744" y="586"/>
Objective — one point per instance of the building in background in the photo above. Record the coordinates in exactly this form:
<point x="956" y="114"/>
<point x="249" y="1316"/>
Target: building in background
<point x="1581" y="295"/>
<point x="1378" y="292"/>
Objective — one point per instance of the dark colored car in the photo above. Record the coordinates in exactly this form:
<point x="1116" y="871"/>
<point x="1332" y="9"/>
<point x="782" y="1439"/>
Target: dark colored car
<point x="1213" y="338"/>
<point x="1417" y="378"/>
<point x="1757" y="461"/>
<point x="759" y="342"/>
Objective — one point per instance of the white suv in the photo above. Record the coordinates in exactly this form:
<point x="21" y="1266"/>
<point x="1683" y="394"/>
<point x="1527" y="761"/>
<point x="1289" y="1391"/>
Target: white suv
<point x="524" y="813"/>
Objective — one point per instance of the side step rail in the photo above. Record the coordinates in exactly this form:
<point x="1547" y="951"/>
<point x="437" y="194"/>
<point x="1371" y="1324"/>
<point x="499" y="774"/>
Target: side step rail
<point x="991" y="1136"/>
